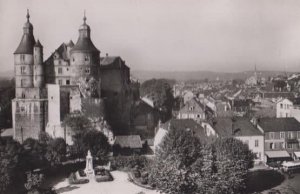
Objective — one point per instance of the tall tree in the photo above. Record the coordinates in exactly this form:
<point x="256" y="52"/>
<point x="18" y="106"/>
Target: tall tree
<point x="233" y="159"/>
<point x="173" y="170"/>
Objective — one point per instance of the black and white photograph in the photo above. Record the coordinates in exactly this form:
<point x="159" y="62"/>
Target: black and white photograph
<point x="149" y="97"/>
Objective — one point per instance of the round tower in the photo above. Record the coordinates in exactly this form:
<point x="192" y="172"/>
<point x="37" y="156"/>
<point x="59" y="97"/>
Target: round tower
<point x="23" y="59"/>
<point x="84" y="56"/>
<point x="38" y="68"/>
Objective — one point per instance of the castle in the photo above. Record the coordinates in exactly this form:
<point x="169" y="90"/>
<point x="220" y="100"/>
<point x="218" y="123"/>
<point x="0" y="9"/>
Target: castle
<point x="74" y="79"/>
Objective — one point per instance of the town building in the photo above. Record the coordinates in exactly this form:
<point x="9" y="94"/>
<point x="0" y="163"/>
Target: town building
<point x="288" y="108"/>
<point x="192" y="109"/>
<point x="281" y="136"/>
<point x="242" y="129"/>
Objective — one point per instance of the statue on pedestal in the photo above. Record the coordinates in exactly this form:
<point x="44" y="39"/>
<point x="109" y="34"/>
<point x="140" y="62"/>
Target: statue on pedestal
<point x="89" y="165"/>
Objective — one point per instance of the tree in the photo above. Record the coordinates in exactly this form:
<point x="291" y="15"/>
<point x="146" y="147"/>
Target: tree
<point x="10" y="167"/>
<point x="173" y="169"/>
<point x="56" y="151"/>
<point x="77" y="123"/>
<point x="160" y="91"/>
<point x="92" y="140"/>
<point x="34" y="182"/>
<point x="232" y="161"/>
<point x="34" y="154"/>
<point x="7" y="93"/>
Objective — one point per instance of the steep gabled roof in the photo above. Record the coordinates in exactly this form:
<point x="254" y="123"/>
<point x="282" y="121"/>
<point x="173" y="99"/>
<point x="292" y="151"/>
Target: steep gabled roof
<point x="61" y="51"/>
<point x="197" y="107"/>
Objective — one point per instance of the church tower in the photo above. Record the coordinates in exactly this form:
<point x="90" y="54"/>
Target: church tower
<point x="30" y="105"/>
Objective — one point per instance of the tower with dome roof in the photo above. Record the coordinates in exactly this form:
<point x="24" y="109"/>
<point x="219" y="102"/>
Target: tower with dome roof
<point x="29" y="105"/>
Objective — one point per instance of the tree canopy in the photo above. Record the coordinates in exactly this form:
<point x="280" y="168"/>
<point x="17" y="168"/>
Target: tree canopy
<point x="10" y="162"/>
<point x="78" y="123"/>
<point x="183" y="164"/>
<point x="172" y="170"/>
<point x="92" y="140"/>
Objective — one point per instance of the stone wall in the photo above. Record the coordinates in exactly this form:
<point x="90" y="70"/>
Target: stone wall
<point x="29" y="118"/>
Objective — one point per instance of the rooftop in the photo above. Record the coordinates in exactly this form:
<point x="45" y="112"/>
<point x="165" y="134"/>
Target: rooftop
<point x="128" y="141"/>
<point x="241" y="126"/>
<point x="188" y="124"/>
<point x="279" y="124"/>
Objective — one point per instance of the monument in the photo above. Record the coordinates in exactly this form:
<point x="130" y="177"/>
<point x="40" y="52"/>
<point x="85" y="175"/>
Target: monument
<point x="89" y="171"/>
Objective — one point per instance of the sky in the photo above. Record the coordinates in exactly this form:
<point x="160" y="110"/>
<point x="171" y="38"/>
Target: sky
<point x="165" y="35"/>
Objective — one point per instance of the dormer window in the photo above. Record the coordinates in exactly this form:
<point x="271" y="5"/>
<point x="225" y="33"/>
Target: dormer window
<point x="192" y="108"/>
<point x="86" y="58"/>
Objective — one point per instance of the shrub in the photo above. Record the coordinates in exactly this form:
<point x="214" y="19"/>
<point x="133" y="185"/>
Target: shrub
<point x="136" y="173"/>
<point x="34" y="181"/>
<point x="129" y="162"/>
<point x="104" y="177"/>
<point x="74" y="181"/>
<point x="144" y="181"/>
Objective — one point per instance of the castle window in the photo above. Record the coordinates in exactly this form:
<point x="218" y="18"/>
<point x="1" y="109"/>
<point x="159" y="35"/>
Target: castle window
<point x="23" y="69"/>
<point x="86" y="58"/>
<point x="73" y="59"/>
<point x="59" y="62"/>
<point x="60" y="82"/>
<point x="22" y="109"/>
<point x="22" y="57"/>
<point x="87" y="70"/>
<point x="60" y="70"/>
<point x="23" y="95"/>
<point x="68" y="82"/>
<point x="22" y="82"/>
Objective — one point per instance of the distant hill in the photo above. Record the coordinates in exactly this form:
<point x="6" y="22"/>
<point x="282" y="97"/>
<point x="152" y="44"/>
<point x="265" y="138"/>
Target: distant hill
<point x="198" y="75"/>
<point x="7" y="74"/>
<point x="181" y="75"/>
